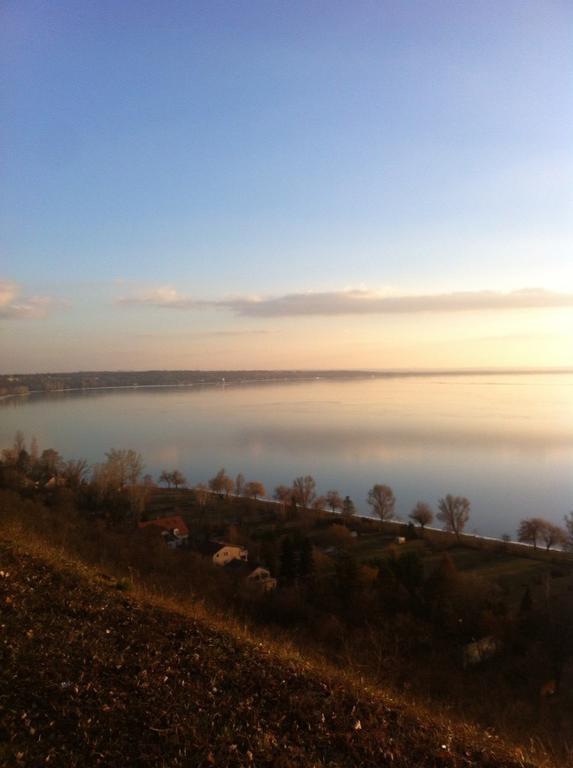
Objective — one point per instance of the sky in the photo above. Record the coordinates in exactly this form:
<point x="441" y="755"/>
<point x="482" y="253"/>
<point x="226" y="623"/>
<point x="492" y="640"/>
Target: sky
<point x="264" y="184"/>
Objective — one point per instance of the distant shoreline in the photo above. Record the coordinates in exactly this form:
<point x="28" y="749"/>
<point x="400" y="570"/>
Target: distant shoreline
<point x="56" y="382"/>
<point x="158" y="386"/>
<point x="294" y="371"/>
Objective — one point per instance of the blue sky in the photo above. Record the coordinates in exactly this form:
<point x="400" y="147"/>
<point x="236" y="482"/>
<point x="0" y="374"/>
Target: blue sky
<point x="262" y="149"/>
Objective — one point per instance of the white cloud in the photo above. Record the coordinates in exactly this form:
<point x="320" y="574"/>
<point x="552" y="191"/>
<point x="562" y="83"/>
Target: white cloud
<point x="8" y="293"/>
<point x="361" y="302"/>
<point x="13" y="305"/>
<point x="165" y="296"/>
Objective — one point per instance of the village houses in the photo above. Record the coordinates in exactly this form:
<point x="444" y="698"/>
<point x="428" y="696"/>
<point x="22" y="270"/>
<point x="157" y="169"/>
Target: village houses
<point x="221" y="552"/>
<point x="173" y="529"/>
<point x="255" y="575"/>
<point x="233" y="557"/>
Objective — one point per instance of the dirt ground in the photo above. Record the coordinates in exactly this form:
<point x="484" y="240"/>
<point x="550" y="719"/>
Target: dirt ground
<point x="91" y="676"/>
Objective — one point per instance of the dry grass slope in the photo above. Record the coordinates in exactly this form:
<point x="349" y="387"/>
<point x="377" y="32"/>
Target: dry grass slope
<point x="93" y="676"/>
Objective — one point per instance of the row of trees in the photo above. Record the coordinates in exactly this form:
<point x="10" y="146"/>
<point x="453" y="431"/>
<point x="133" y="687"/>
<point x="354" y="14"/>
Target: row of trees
<point x="453" y="511"/>
<point x="116" y="484"/>
<point x="534" y="530"/>
<point x="174" y="478"/>
<point x="120" y="480"/>
<point x="42" y="467"/>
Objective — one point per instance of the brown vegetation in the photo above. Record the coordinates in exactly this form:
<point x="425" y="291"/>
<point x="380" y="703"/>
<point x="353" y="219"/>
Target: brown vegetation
<point x="92" y="677"/>
<point x="422" y="514"/>
<point x="382" y="501"/>
<point x="454" y="512"/>
<point x="401" y="616"/>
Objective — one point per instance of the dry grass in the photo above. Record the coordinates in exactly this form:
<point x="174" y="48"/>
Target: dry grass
<point x="94" y="675"/>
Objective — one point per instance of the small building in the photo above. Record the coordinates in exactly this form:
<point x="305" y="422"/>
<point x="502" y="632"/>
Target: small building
<point x="261" y="577"/>
<point x="255" y="576"/>
<point x="222" y="552"/>
<point x="173" y="529"/>
<point x="227" y="552"/>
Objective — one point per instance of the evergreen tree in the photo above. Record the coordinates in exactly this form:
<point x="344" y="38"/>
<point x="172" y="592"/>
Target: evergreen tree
<point x="526" y="601"/>
<point x="293" y="509"/>
<point x="288" y="570"/>
<point x="408" y="571"/>
<point x="306" y="560"/>
<point x="346" y="573"/>
<point x="348" y="508"/>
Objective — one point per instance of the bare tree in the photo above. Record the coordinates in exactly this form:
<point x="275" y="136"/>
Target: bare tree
<point x="51" y="464"/>
<point x="10" y="455"/>
<point x="382" y="501"/>
<point x="348" y="508"/>
<point x="135" y="466"/>
<point x="569" y="530"/>
<point x="75" y="472"/>
<point x="552" y="535"/>
<point x="51" y="461"/>
<point x="201" y="494"/>
<point x="254" y="489"/>
<point x="34" y="450"/>
<point x="138" y="498"/>
<point x="117" y="478"/>
<point x="320" y="503"/>
<point x="454" y="512"/>
<point x="422" y="514"/>
<point x="102" y="482"/>
<point x="334" y="500"/>
<point x="166" y="477"/>
<point x="126" y="466"/>
<point x="304" y="490"/>
<point x="529" y="531"/>
<point x="283" y="494"/>
<point x="239" y="484"/>
<point x="19" y="443"/>
<point x="177" y="478"/>
<point x="221" y="483"/>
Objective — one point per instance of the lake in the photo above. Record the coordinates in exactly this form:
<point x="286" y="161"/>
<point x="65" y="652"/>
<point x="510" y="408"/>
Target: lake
<point x="504" y="441"/>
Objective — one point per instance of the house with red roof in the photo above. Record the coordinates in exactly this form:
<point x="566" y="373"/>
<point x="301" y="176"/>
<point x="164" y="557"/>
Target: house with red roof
<point x="173" y="529"/>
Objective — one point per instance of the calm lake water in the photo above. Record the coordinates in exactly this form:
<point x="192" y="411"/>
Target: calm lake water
<point x="505" y="442"/>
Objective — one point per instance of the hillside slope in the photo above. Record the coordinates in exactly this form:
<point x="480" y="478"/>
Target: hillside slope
<point x="92" y="677"/>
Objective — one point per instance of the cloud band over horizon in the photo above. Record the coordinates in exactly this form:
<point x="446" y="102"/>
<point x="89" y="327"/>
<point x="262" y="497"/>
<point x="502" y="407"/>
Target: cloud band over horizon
<point x="358" y="302"/>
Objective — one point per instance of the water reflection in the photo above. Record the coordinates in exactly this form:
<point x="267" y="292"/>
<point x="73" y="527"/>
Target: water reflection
<point x="505" y="441"/>
<point x="398" y="443"/>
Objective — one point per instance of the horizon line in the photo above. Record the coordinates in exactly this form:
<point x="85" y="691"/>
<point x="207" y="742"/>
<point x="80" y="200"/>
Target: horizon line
<point x="382" y="371"/>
